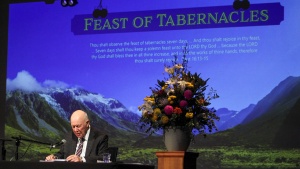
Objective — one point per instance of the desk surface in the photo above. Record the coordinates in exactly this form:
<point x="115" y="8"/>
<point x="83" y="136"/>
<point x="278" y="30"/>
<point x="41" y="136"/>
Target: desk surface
<point x="64" y="165"/>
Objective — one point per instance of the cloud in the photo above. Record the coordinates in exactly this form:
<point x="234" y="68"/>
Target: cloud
<point x="135" y="110"/>
<point x="56" y="84"/>
<point x="24" y="81"/>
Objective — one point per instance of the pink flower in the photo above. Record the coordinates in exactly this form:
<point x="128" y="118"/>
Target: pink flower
<point x="183" y="103"/>
<point x="188" y="94"/>
<point x="168" y="110"/>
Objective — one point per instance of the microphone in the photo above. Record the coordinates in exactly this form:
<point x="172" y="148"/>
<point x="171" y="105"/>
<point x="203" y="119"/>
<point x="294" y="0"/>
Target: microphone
<point x="63" y="141"/>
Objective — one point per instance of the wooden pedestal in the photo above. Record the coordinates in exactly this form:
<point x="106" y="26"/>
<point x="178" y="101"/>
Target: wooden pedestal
<point x="176" y="160"/>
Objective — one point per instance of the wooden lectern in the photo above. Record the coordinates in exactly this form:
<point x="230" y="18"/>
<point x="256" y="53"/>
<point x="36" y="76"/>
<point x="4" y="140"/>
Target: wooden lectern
<point x="176" y="160"/>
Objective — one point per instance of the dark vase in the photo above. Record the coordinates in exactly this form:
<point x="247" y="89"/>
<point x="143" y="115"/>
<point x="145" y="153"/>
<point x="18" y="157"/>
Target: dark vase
<point x="177" y="138"/>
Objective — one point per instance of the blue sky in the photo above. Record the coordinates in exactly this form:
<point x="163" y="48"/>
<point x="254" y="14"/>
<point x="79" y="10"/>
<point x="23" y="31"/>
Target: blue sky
<point x="43" y="48"/>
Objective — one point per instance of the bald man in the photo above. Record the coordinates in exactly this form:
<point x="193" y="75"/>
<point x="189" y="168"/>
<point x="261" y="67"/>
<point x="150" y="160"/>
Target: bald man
<point x="84" y="144"/>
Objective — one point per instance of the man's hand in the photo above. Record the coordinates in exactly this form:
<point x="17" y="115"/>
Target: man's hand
<point x="50" y="157"/>
<point x="74" y="158"/>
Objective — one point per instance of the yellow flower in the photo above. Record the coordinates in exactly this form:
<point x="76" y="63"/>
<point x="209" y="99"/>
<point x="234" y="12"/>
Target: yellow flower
<point x="189" y="84"/>
<point x="156" y="111"/>
<point x="154" y="118"/>
<point x="164" y="119"/>
<point x="164" y="87"/>
<point x="189" y="115"/>
<point x="172" y="97"/>
<point x="145" y="114"/>
<point x="148" y="99"/>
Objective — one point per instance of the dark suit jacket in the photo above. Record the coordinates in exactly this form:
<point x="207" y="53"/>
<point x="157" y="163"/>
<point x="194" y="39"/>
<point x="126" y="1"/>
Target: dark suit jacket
<point x="97" y="144"/>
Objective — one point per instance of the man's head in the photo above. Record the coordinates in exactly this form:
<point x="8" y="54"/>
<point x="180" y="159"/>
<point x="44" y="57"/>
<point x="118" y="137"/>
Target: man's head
<point x="80" y="123"/>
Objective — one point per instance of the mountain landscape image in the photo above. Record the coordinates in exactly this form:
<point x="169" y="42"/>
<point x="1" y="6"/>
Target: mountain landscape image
<point x="270" y="125"/>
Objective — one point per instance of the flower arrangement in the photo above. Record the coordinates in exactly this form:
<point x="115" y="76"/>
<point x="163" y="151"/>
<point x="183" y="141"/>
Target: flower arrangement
<point x="179" y="101"/>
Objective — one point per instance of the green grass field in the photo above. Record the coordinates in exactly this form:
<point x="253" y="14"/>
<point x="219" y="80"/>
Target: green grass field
<point x="209" y="157"/>
<point x="215" y="157"/>
<point x="225" y="157"/>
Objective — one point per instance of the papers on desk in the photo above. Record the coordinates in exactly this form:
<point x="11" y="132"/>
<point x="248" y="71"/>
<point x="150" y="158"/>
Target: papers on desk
<point x="100" y="161"/>
<point x="59" y="160"/>
<point x="55" y="160"/>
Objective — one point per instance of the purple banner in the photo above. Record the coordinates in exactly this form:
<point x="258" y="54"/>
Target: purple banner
<point x="179" y="19"/>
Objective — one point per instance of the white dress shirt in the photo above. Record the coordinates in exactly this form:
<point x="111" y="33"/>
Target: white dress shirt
<point x="86" y="138"/>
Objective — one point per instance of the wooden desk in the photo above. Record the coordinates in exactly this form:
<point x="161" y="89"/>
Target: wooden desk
<point x="69" y="165"/>
<point x="176" y="159"/>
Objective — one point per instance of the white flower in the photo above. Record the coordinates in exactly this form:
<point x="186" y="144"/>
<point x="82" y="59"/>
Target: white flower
<point x="169" y="90"/>
<point x="172" y="80"/>
<point x="182" y="84"/>
<point x="146" y="108"/>
<point x="178" y="66"/>
<point x="169" y="70"/>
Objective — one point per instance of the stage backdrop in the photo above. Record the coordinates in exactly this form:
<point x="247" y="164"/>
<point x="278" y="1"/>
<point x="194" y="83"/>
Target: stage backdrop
<point x="62" y="58"/>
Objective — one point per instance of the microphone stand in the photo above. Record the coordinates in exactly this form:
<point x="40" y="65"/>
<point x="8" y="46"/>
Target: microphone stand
<point x="18" y="141"/>
<point x="3" y="151"/>
<point x="51" y="146"/>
